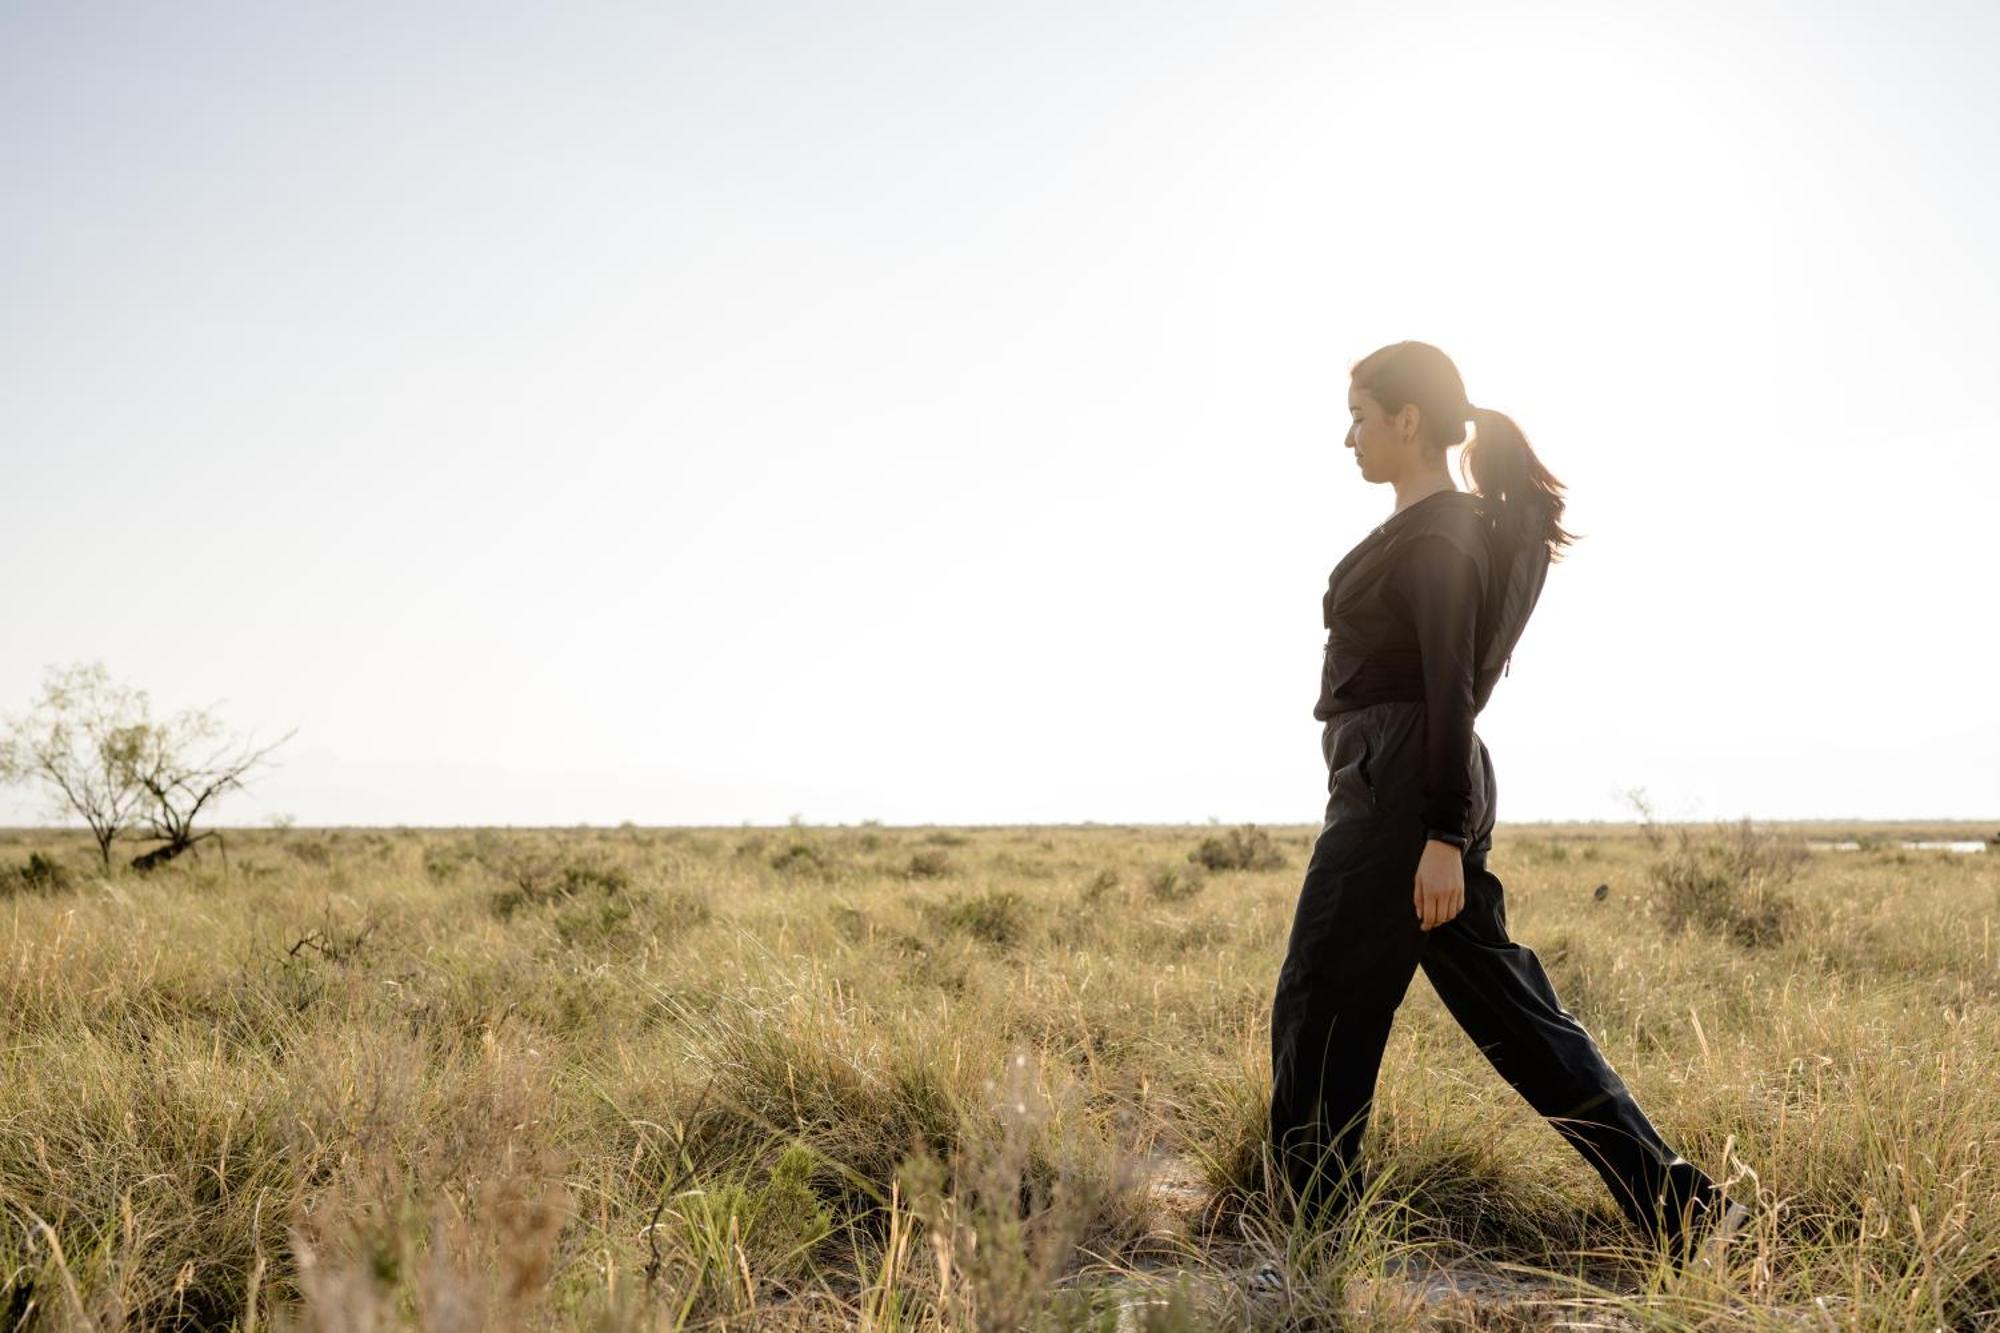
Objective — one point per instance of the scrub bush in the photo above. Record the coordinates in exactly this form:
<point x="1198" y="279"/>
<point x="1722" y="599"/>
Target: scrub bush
<point x="1732" y="882"/>
<point x="311" y="851"/>
<point x="801" y="858"/>
<point x="535" y="876"/>
<point x="1246" y="848"/>
<point x="1100" y="885"/>
<point x="1177" y="884"/>
<point x="997" y="916"/>
<point x="775" y="1224"/>
<point x="929" y="865"/>
<point x="42" y="874"/>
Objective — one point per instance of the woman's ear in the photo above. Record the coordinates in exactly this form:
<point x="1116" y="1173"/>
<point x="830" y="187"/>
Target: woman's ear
<point x="1408" y="417"/>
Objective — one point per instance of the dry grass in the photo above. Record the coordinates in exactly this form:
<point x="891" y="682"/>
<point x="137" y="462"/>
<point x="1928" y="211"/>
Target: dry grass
<point x="920" y="1079"/>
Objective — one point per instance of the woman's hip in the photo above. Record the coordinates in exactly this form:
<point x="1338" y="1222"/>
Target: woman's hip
<point x="1374" y="759"/>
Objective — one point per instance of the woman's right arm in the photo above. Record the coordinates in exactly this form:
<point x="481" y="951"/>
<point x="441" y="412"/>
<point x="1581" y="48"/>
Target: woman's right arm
<point x="1441" y="586"/>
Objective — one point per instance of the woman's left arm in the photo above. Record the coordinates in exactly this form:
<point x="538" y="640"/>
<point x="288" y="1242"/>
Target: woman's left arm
<point x="1441" y="586"/>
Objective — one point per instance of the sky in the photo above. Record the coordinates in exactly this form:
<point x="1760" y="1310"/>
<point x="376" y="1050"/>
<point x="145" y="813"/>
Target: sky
<point x="706" y="414"/>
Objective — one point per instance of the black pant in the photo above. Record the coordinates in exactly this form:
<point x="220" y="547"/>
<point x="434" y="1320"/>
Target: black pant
<point x="1355" y="943"/>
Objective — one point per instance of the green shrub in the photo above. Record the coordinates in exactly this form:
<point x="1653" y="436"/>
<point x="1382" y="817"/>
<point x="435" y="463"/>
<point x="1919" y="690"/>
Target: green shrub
<point x="1177" y="884"/>
<point x="769" y="1228"/>
<point x="928" y="865"/>
<point x="41" y="874"/>
<point x="801" y="858"/>
<point x="535" y="877"/>
<point x="1732" y="882"/>
<point x="997" y="916"/>
<point x="850" y="922"/>
<point x="1100" y="886"/>
<point x="443" y="862"/>
<point x="311" y="851"/>
<point x="1246" y="848"/>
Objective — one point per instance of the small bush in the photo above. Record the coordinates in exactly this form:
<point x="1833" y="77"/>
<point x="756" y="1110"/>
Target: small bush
<point x="998" y="916"/>
<point x="1732" y="882"/>
<point x="851" y="922"/>
<point x="929" y="865"/>
<point x="595" y="922"/>
<point x="801" y="858"/>
<point x="535" y="877"/>
<point x="1177" y="884"/>
<point x="1246" y="848"/>
<point x="620" y="922"/>
<point x="442" y="863"/>
<point x="42" y="874"/>
<point x="1100" y="886"/>
<point x="1021" y="867"/>
<point x="311" y="851"/>
<point x="768" y="1229"/>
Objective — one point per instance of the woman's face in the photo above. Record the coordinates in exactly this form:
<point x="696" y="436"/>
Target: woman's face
<point x="1382" y="444"/>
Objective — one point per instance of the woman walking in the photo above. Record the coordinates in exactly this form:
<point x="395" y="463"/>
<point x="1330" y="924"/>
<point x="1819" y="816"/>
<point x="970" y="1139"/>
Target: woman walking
<point x="1421" y="617"/>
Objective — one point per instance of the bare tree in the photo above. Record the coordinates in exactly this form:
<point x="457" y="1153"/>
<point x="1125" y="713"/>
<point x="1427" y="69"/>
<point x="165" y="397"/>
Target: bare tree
<point x="92" y="744"/>
<point x="182" y="766"/>
<point x="80" y="742"/>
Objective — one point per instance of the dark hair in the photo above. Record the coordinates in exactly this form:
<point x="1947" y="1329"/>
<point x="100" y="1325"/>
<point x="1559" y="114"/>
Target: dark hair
<point x="1499" y="465"/>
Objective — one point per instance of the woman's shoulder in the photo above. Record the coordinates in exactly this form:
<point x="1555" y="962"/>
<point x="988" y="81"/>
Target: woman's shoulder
<point x="1457" y="517"/>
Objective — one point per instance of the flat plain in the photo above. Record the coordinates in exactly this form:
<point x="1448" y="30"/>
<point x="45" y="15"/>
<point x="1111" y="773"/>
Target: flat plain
<point x="986" y="1078"/>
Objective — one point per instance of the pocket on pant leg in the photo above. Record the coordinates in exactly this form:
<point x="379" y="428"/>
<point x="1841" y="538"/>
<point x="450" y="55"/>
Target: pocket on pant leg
<point x="1390" y="760"/>
<point x="1350" y="790"/>
<point x="1361" y="770"/>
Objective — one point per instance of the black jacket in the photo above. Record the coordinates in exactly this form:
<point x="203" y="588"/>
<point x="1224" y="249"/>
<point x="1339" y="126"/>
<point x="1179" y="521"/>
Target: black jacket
<point x="1428" y="607"/>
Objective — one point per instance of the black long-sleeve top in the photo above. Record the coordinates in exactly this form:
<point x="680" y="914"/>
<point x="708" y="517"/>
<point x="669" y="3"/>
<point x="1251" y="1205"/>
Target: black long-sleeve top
<point x="1403" y="612"/>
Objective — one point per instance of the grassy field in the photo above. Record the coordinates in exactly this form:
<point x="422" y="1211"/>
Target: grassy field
<point x="935" y="1079"/>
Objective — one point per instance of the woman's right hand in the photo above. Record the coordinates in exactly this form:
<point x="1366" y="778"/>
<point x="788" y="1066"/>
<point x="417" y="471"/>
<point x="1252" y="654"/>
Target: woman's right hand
<point x="1440" y="894"/>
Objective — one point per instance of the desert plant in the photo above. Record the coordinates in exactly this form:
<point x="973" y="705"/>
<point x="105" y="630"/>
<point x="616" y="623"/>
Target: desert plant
<point x="1099" y="886"/>
<point x="799" y="857"/>
<point x="81" y="742"/>
<point x="533" y="875"/>
<point x="1177" y="884"/>
<point x="1245" y="848"/>
<point x="1732" y="881"/>
<point x="929" y="865"/>
<point x="996" y="916"/>
<point x="41" y="874"/>
<point x="744" y="1230"/>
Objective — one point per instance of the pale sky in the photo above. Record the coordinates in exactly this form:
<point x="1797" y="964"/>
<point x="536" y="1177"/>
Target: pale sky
<point x="700" y="414"/>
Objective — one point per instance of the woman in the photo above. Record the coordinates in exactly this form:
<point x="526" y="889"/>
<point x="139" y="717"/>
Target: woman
<point x="1421" y="617"/>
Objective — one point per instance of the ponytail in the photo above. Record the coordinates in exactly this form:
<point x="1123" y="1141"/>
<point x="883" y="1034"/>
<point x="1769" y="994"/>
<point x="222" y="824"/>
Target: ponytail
<point x="1500" y="465"/>
<point x="1524" y="498"/>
